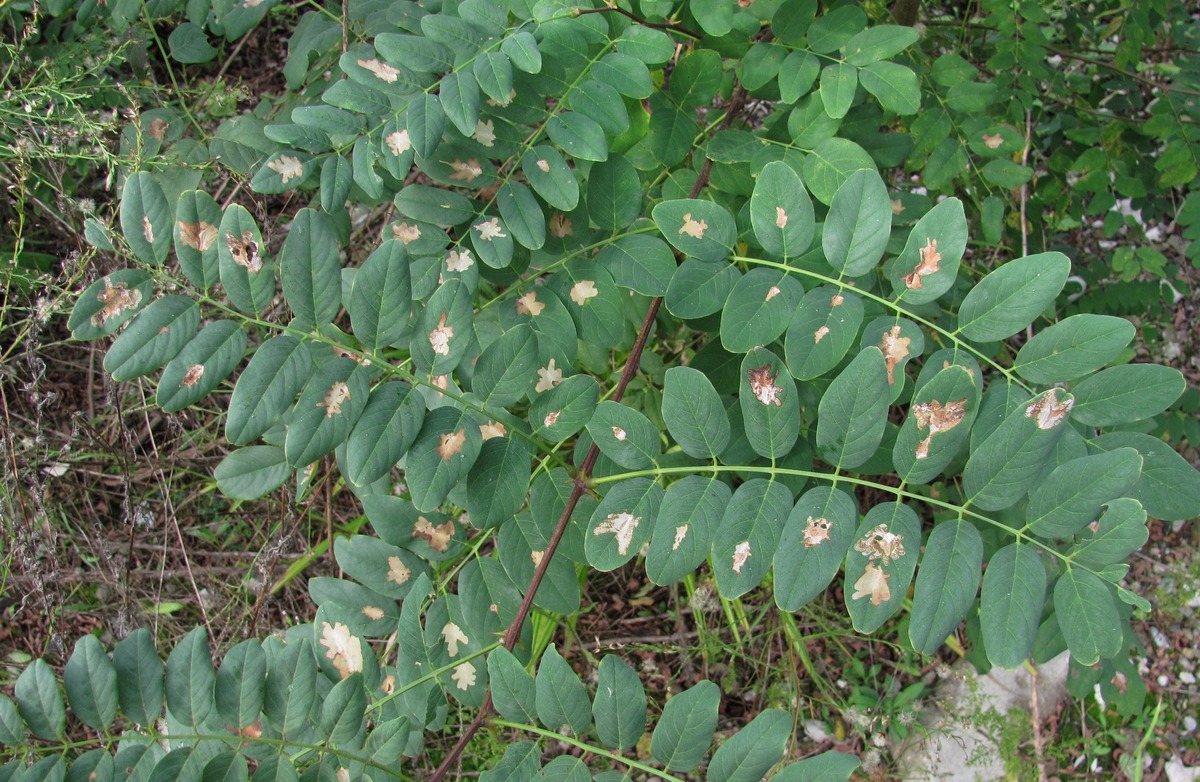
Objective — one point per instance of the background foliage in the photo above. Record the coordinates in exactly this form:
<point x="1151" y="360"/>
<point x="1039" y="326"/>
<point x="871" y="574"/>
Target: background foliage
<point x="550" y="289"/>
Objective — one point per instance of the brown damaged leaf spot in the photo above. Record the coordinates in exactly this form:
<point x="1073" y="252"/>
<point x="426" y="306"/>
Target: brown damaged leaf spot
<point x="439" y="338"/>
<point x="820" y="334"/>
<point x="993" y="142"/>
<point x="463" y="676"/>
<point x="453" y="635"/>
<point x="816" y="532"/>
<point x="287" y="166"/>
<point x="406" y="232"/>
<point x="492" y="429"/>
<point x="398" y="572"/>
<point x="929" y="264"/>
<point x="244" y="251"/>
<point x="451" y="444"/>
<point x="897" y="206"/>
<point x="937" y="418"/>
<point x="881" y="544"/>
<point x="873" y="583"/>
<point x="781" y="217"/>
<point x="837" y="300"/>
<point x="490" y="229"/>
<point x="343" y="648"/>
<point x="147" y="229"/>
<point x="466" y="170"/>
<point x="342" y="352"/>
<point x="398" y="142"/>
<point x="692" y="228"/>
<point x="338" y="393"/>
<point x="529" y="305"/>
<point x="582" y="291"/>
<point x="437" y="537"/>
<point x="551" y="418"/>
<point x="622" y="526"/>
<point x="382" y="70"/>
<point x="116" y="299"/>
<point x="680" y="533"/>
<point x="762" y="385"/>
<point x="561" y="226"/>
<point x="192" y="376"/>
<point x="549" y="376"/>
<point x="619" y="433"/>
<point x="372" y="612"/>
<point x="199" y="236"/>
<point x="741" y="553"/>
<point x="895" y="348"/>
<point x="1048" y="411"/>
<point x="772" y="292"/>
<point x="158" y="129"/>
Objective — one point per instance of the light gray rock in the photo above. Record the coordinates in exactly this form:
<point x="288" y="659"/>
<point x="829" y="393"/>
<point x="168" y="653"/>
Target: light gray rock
<point x="962" y="742"/>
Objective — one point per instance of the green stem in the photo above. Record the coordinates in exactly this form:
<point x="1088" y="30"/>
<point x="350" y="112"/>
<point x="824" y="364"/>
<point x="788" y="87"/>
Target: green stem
<point x="550" y="734"/>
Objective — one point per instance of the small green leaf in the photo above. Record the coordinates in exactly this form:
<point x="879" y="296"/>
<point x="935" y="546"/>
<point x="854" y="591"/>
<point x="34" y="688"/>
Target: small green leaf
<point x="337" y="175"/>
<point x="388" y="426"/>
<point x="619" y="709"/>
<point x="425" y="120"/>
<point x="838" y="83"/>
<point x="818" y="531"/>
<point x="202" y="365"/>
<point x="459" y="98"/>
<point x="858" y="226"/>
<point x="40" y="702"/>
<point x="1073" y="347"/>
<point x="835" y="29"/>
<point x="696" y="79"/>
<point x="797" y="75"/>
<point x="1071" y="496"/>
<point x="715" y="17"/>
<point x="521" y="761"/>
<point x="690" y="512"/>
<point x="565" y="409"/>
<point x="189" y="45"/>
<point x="749" y="754"/>
<point x="578" y="135"/>
<point x="551" y="177"/>
<point x="641" y="263"/>
<point x="824" y="326"/>
<point x="928" y="266"/>
<point x="1126" y="393"/>
<point x="247" y="276"/>
<point x="946" y="584"/>
<point x="506" y="369"/>
<point x="1012" y="296"/>
<point x="381" y="299"/>
<point x="769" y="403"/>
<point x="938" y="424"/>
<point x="831" y="163"/>
<point x="852" y="415"/>
<point x="745" y="541"/>
<point x="146" y="218"/>
<point x="447" y="447"/>
<point x="522" y="215"/>
<point x="513" y="689"/>
<point x="153" y="338"/>
<point x="191" y="679"/>
<point x="250" y="473"/>
<point x="694" y="413"/>
<point x="522" y="49"/>
<point x="343" y="710"/>
<point x="881" y="42"/>
<point x="830" y="766"/>
<point x="602" y="104"/>
<point x="893" y="85"/>
<point x="562" y="702"/>
<point x="494" y="74"/>
<point x="1086" y="608"/>
<point x="389" y="570"/>
<point x="699" y="288"/>
<point x="1010" y="604"/>
<point x="196" y="235"/>
<point x="622" y="523"/>
<point x="881" y="564"/>
<point x="309" y="270"/>
<point x="614" y="200"/>
<point x="266" y="388"/>
<point x="701" y="229"/>
<point x="685" y="729"/>
<point x="1169" y="487"/>
<point x="291" y="687"/>
<point x="139" y="678"/>
<point x="434" y="205"/>
<point x="781" y="211"/>
<point x="624" y="435"/>
<point x="12" y="729"/>
<point x="239" y="689"/>
<point x="1120" y="532"/>
<point x="111" y="301"/>
<point x="91" y="684"/>
<point x="328" y="408"/>
<point x="758" y="309"/>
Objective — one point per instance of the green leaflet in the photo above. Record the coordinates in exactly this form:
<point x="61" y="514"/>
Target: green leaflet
<point x="1012" y="296"/>
<point x="448" y="445"/>
<point x="1086" y="608"/>
<point x="748" y="535"/>
<point x="146" y="218"/>
<point x="1126" y="393"/>
<point x="246" y="274"/>
<point x="154" y="337"/>
<point x="758" y="309"/>
<point x="614" y="200"/>
<point x="895" y="86"/>
<point x="858" y="225"/>
<point x="197" y="216"/>
<point x="928" y="265"/>
<point x="622" y="523"/>
<point x="1073" y="347"/>
<point x="253" y="472"/>
<point x="690" y="511"/>
<point x="309" y="270"/>
<point x="560" y="698"/>
<point x="853" y="411"/>
<point x="201" y="365"/>
<point x="139" y="678"/>
<point x="684" y="731"/>
<point x="946" y="583"/>
<point x="385" y="430"/>
<point x="832" y="162"/>
<point x="1169" y="487"/>
<point x="329" y="406"/>
<point x="838" y="82"/>
<point x="1120" y="531"/>
<point x="90" y="681"/>
<point x="619" y="709"/>
<point x="266" y="388"/>
<point x="751" y="752"/>
<point x="769" y="404"/>
<point x="816" y="536"/>
<point x="506" y="369"/>
<point x="700" y="229"/>
<point x="381" y="297"/>
<point x="1072" y="495"/>
<point x="822" y="329"/>
<point x="239" y="687"/>
<point x="1010" y="604"/>
<point x="624" y="435"/>
<point x="110" y="302"/>
<point x="551" y="177"/>
<point x="694" y="413"/>
<point x="513" y="689"/>
<point x="881" y="563"/>
<point x="939" y="421"/>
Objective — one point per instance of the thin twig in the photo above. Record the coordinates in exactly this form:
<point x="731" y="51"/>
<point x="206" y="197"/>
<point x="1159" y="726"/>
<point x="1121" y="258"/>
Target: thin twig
<point x="670" y="26"/>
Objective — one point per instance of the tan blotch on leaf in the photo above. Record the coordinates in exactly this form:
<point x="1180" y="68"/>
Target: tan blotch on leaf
<point x="819" y="334"/>
<point x="192" y="376"/>
<point x="529" y="305"/>
<point x="897" y="206"/>
<point x="544" y="166"/>
<point x="873" y="583"/>
<point x="492" y="429"/>
<point x="198" y="236"/>
<point x="551" y="418"/>
<point x="343" y="773"/>
<point x="937" y="418"/>
<point x="692" y="228"/>
<point x="158" y="128"/>
<point x="372" y="612"/>
<point x="398" y="572"/>
<point x="549" y="376"/>
<point x="287" y="167"/>
<point x="406" y="232"/>
<point x="244" y="251"/>
<point x="338" y="393"/>
<point x="451" y="444"/>
<point x="619" y="433"/>
<point x="490" y="229"/>
<point x="895" y="348"/>
<point x="381" y="70"/>
<point x="536" y="557"/>
<point x="485" y="133"/>
<point x="398" y="141"/>
<point x="780" y="217"/>
<point x="147" y="229"/>
<point x="459" y="260"/>
<point x="343" y="647"/>
<point x="881" y="544"/>
<point x="116" y="299"/>
<point x="561" y="226"/>
<point x="741" y="553"/>
<point x="622" y="525"/>
<point x="837" y="300"/>
<point x="1048" y="411"/>
<point x="772" y="292"/>
<point x="817" y="531"/>
<point x="465" y="170"/>
<point x="680" y="533"/>
<point x="439" y="338"/>
<point x="463" y="676"/>
<point x="930" y="258"/>
<point x="762" y="385"/>
<point x="357" y="358"/>
<point x="993" y="142"/>
<point x="438" y="537"/>
<point x="453" y="635"/>
<point x="583" y="290"/>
